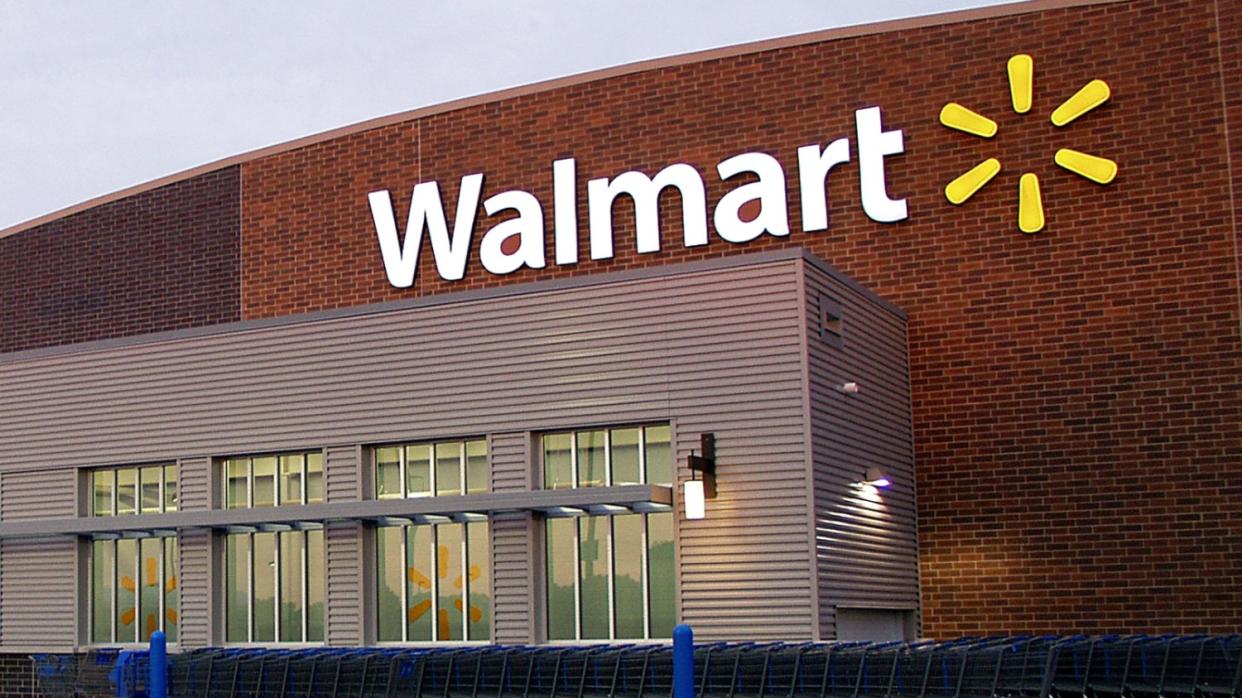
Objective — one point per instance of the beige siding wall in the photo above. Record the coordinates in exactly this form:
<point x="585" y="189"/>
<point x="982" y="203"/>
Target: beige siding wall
<point x="716" y="348"/>
<point x="866" y="544"/>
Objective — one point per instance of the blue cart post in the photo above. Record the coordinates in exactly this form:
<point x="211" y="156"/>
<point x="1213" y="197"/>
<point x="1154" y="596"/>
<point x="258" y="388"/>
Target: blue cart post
<point x="157" y="686"/>
<point x="683" y="662"/>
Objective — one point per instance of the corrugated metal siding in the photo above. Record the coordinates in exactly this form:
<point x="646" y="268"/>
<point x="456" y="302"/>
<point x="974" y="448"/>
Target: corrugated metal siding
<point x="716" y="350"/>
<point x="40" y="494"/>
<point x="343" y="543"/>
<point x="196" y="579"/>
<point x="38" y="599"/>
<point x="513" y="573"/>
<point x="343" y="473"/>
<point x="513" y="578"/>
<point x="194" y="484"/>
<point x="866" y="547"/>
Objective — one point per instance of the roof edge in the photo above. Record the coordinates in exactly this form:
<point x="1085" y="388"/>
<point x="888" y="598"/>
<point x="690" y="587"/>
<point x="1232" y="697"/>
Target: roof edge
<point x="761" y="45"/>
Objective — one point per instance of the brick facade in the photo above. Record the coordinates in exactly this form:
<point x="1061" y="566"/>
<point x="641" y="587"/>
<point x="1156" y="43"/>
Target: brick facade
<point x="162" y="260"/>
<point x="1077" y="393"/>
<point x="17" y="677"/>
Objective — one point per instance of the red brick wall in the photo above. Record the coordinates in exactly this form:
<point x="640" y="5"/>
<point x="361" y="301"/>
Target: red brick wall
<point x="162" y="260"/>
<point x="1078" y="410"/>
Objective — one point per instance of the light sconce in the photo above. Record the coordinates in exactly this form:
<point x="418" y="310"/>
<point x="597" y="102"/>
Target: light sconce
<point x="850" y="388"/>
<point x="876" y="477"/>
<point x="696" y="491"/>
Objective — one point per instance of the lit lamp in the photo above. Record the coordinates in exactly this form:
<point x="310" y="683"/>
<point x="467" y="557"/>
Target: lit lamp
<point x="876" y="477"/>
<point x="696" y="491"/>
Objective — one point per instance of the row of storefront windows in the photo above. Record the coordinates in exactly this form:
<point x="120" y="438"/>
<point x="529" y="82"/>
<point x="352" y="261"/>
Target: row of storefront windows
<point x="607" y="577"/>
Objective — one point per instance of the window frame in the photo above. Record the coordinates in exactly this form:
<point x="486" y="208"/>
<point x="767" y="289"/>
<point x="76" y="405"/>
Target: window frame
<point x="222" y="478"/>
<point x="575" y="480"/>
<point x="464" y="552"/>
<point x="611" y="546"/>
<point x="433" y="477"/>
<point x="114" y="594"/>
<point x="137" y="468"/>
<point x="276" y="588"/>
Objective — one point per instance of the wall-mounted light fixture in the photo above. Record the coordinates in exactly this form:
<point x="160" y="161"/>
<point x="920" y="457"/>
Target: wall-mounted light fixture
<point x="696" y="491"/>
<point x="850" y="388"/>
<point x="876" y="477"/>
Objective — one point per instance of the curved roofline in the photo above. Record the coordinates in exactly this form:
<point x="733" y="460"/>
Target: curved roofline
<point x="812" y="37"/>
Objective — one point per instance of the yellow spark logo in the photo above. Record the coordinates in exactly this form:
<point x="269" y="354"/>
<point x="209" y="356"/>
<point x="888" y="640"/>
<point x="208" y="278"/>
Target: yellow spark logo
<point x="1030" y="204"/>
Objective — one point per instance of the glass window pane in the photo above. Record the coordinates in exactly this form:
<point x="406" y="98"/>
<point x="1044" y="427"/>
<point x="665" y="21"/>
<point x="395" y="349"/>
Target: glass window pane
<point x="150" y="480"/>
<point x="389" y="575"/>
<point x="558" y="461"/>
<point x="101" y="591"/>
<point x="661" y="575"/>
<point x="265" y="584"/>
<point x="265" y="481"/>
<point x="291" y="479"/>
<point x="314" y="477"/>
<point x="477" y="476"/>
<point x="102" y="482"/>
<point x="659" y="455"/>
<point x="291" y="583"/>
<point x="171" y="590"/>
<point x="449" y="572"/>
<point x="237" y="474"/>
<point x="593" y="576"/>
<point x="418" y="470"/>
<point x="237" y="594"/>
<point x="150" y="569"/>
<point x="627" y="556"/>
<point x="127" y="590"/>
<point x="479" y="582"/>
<point x="419" y="573"/>
<point x="315" y="574"/>
<point x="591" y="464"/>
<point x="625" y="470"/>
<point x="561" y="576"/>
<point x="387" y="473"/>
<point x="448" y="468"/>
<point x="170" y="488"/>
<point x="126" y="490"/>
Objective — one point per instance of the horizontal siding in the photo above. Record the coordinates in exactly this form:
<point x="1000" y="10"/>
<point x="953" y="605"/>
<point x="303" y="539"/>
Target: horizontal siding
<point x="194" y="484"/>
<point x="716" y="350"/>
<point x="866" y="546"/>
<point x="196" y="580"/>
<point x="342" y="473"/>
<point x="38" y="598"/>
<point x="343" y="543"/>
<point x="511" y="470"/>
<point x="37" y="494"/>
<point x="513" y="578"/>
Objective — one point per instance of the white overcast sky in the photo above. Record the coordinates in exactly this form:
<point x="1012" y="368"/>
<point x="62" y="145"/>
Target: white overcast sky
<point x="99" y="96"/>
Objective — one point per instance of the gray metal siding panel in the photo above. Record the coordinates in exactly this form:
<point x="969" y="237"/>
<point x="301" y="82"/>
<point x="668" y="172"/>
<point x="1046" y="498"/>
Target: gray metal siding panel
<point x="716" y="350"/>
<point x="38" y="598"/>
<point x="194" y="484"/>
<point x="343" y="473"/>
<point x="510" y="460"/>
<point x="196" y="580"/>
<point x="343" y="543"/>
<point x="39" y="494"/>
<point x="513" y="578"/>
<point x="866" y="547"/>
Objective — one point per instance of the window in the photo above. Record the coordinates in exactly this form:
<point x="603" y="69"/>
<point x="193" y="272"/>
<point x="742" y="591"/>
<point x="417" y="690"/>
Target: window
<point x="430" y="469"/>
<point x="150" y="489"/>
<point x="275" y="480"/>
<point x="610" y="577"/>
<point x="594" y="458"/>
<point x="434" y="582"/>
<point x="274" y="586"/>
<point x="133" y="589"/>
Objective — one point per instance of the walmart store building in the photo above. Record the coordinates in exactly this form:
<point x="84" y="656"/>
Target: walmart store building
<point x="951" y="305"/>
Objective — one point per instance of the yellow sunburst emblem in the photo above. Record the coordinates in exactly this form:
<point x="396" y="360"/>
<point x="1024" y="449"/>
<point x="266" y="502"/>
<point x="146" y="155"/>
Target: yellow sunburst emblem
<point x="1021" y="69"/>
